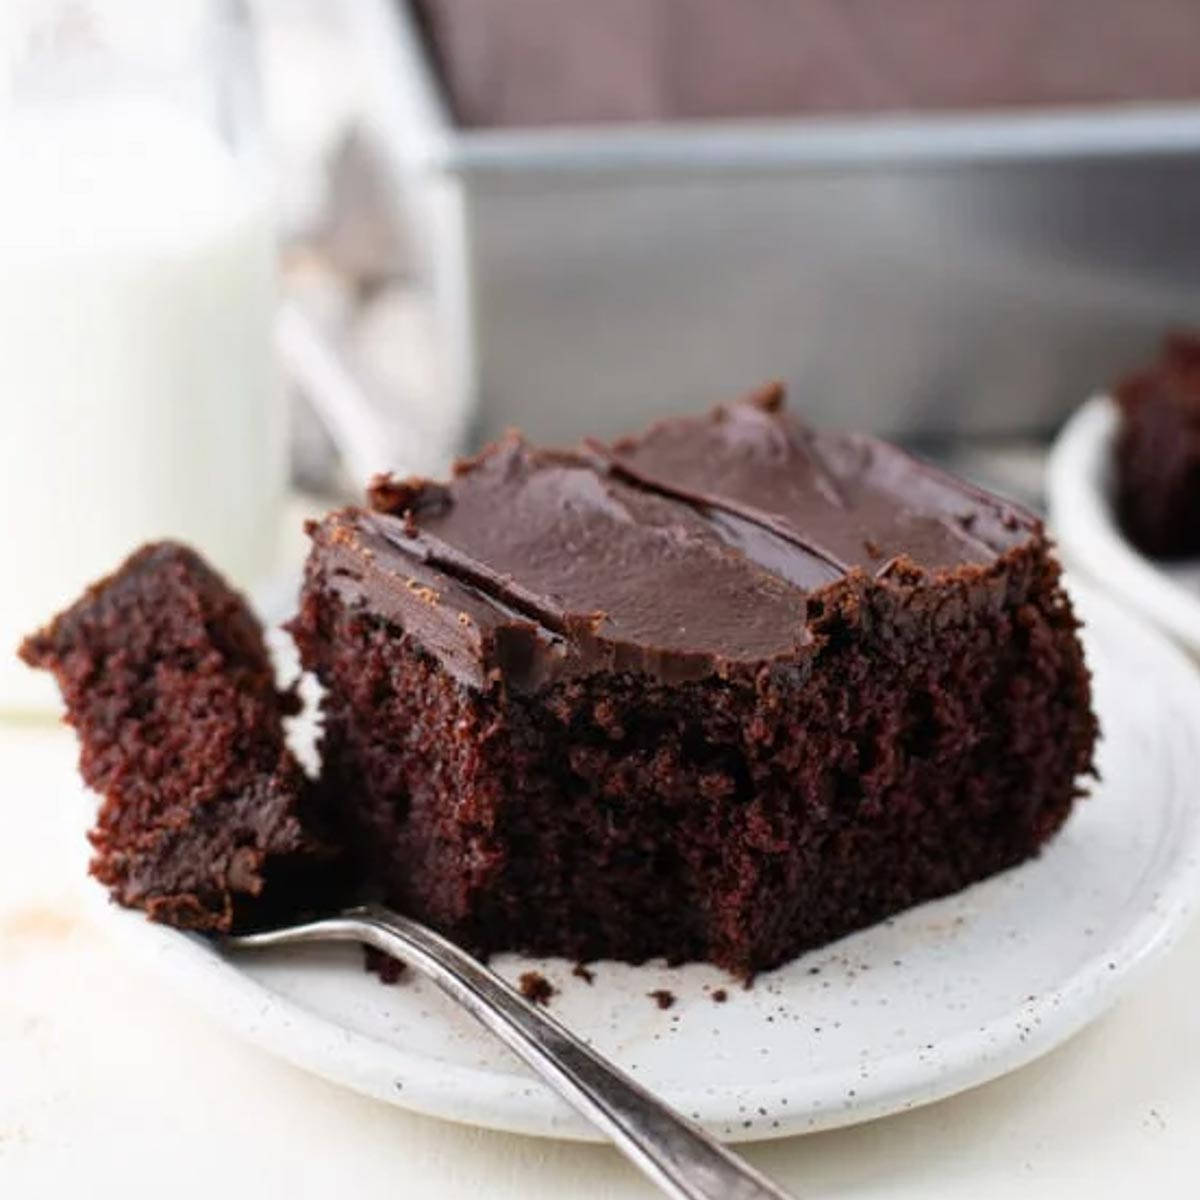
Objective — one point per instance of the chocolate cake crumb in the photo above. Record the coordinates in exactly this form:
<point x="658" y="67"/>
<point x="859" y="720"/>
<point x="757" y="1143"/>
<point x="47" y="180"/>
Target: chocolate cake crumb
<point x="387" y="968"/>
<point x="582" y="972"/>
<point x="662" y="997"/>
<point x="536" y="987"/>
<point x="386" y="494"/>
<point x="720" y="995"/>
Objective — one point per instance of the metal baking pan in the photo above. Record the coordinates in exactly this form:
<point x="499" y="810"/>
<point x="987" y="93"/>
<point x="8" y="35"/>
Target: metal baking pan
<point x="918" y="275"/>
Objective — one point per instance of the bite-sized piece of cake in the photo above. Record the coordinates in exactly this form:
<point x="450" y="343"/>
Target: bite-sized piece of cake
<point x="207" y="818"/>
<point x="723" y="691"/>
<point x="1157" y="457"/>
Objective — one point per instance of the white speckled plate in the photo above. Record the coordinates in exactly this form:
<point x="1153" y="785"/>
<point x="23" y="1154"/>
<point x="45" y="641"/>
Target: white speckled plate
<point x="941" y="998"/>
<point x="1079" y="488"/>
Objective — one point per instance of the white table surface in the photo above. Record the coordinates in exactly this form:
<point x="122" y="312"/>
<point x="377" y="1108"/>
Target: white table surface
<point x="110" y="1086"/>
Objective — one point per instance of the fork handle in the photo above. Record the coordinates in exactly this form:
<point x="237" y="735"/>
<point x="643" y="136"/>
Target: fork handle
<point x="683" y="1160"/>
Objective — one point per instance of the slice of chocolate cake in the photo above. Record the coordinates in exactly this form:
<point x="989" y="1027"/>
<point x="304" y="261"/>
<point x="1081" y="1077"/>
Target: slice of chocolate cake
<point x="207" y="818"/>
<point x="1157" y="456"/>
<point x="723" y="691"/>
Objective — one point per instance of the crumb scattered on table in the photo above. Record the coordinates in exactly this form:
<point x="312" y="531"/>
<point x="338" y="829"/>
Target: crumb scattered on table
<point x="387" y="968"/>
<point x="536" y="987"/>
<point x="582" y="972"/>
<point x="662" y="997"/>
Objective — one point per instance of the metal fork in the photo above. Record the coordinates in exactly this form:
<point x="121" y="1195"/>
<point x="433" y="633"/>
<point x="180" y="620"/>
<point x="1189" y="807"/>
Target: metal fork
<point x="675" y="1154"/>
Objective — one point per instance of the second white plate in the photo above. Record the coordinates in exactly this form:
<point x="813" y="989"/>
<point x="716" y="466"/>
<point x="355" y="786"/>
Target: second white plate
<point x="943" y="997"/>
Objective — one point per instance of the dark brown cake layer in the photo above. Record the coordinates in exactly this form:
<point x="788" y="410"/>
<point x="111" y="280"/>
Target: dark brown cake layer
<point x="1157" y="457"/>
<point x="206" y="821"/>
<point x="536" y="62"/>
<point x="726" y="690"/>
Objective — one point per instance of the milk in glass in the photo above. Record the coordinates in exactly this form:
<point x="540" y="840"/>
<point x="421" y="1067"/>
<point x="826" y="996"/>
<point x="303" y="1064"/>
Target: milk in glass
<point x="137" y="398"/>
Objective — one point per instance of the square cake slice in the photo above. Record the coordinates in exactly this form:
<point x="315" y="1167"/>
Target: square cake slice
<point x="726" y="690"/>
<point x="167" y="681"/>
<point x="1157" y="452"/>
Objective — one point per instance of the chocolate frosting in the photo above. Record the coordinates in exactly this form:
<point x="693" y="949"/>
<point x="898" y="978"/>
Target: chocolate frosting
<point x="689" y="550"/>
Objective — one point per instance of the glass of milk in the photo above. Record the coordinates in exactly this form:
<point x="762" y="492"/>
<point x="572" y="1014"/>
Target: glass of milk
<point x="137" y="263"/>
